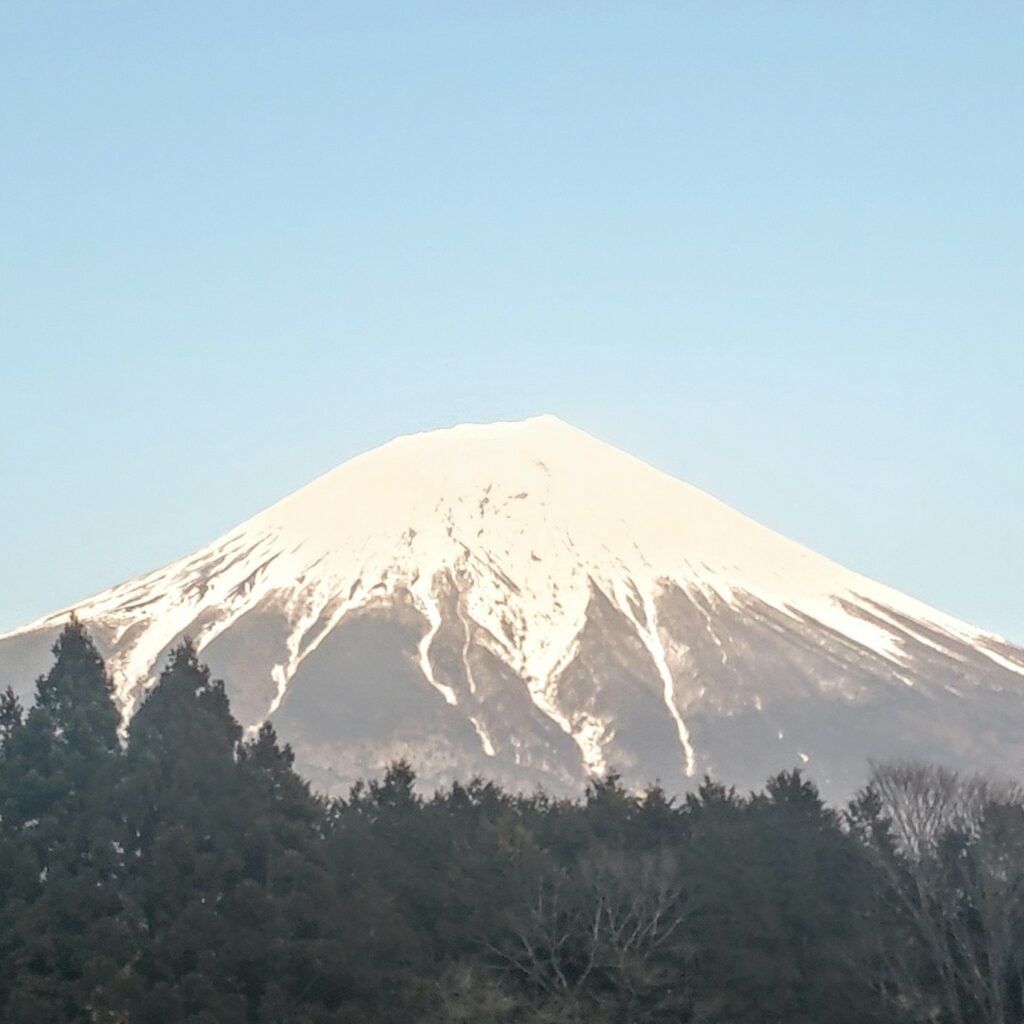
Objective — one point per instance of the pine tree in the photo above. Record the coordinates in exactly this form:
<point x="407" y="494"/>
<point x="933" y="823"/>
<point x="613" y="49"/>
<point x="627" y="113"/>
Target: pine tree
<point x="77" y="696"/>
<point x="240" y="915"/>
<point x="63" y="924"/>
<point x="67" y="741"/>
<point x="180" y="799"/>
<point x="285" y="911"/>
<point x="11" y="717"/>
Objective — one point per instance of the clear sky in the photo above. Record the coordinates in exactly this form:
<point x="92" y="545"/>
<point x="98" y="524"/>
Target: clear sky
<point x="777" y="249"/>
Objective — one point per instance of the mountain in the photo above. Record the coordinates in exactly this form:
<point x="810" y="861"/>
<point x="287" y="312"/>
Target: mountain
<point x="526" y="602"/>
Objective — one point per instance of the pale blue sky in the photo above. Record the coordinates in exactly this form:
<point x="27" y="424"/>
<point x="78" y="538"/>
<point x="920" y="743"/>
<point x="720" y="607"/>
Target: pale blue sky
<point x="776" y="249"/>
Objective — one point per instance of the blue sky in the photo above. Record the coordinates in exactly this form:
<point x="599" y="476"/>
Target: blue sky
<point x="776" y="249"/>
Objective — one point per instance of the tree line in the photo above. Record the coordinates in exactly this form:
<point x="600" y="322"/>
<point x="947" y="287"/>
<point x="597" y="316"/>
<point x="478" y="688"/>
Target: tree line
<point x="186" y="873"/>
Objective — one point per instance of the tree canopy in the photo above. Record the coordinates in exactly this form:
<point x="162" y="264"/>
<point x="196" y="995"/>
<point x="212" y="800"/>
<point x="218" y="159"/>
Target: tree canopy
<point x="182" y="871"/>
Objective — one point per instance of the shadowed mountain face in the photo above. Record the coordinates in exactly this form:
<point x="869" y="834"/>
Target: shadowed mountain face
<point x="524" y="602"/>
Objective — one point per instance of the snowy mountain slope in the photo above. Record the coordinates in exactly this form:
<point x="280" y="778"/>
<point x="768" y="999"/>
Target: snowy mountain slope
<point x="522" y="600"/>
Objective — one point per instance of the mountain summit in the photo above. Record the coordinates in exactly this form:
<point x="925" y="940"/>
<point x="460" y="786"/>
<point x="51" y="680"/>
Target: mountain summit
<point x="523" y="601"/>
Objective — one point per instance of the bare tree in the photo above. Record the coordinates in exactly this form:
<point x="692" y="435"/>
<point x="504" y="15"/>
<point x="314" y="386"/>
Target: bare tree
<point x="470" y="995"/>
<point x="954" y="861"/>
<point x="611" y="935"/>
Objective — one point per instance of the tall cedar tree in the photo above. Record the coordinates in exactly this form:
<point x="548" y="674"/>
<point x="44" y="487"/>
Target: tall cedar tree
<point x="62" y="927"/>
<point x="184" y="818"/>
<point x="226" y="866"/>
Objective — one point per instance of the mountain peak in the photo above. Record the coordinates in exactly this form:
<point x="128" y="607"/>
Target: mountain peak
<point x="545" y="428"/>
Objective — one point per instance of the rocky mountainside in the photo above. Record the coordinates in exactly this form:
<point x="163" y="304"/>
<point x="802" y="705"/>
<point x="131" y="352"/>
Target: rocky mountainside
<point x="523" y="601"/>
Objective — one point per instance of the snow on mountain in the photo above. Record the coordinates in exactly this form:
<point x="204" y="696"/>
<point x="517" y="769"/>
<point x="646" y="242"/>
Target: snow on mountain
<point x="539" y="595"/>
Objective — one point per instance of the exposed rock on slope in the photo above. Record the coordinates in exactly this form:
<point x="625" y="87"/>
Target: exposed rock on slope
<point x="524" y="601"/>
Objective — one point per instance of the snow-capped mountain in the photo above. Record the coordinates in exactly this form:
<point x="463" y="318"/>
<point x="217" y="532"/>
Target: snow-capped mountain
<point x="525" y="602"/>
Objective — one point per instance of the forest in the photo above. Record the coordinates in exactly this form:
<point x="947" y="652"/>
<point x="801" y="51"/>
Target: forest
<point x="182" y="871"/>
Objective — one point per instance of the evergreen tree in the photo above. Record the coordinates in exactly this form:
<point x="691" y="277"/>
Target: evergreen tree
<point x="64" y="934"/>
<point x="237" y="909"/>
<point x="780" y="908"/>
<point x="65" y="745"/>
<point x="77" y="696"/>
<point x="11" y="717"/>
<point x="184" y="821"/>
<point x="287" y="911"/>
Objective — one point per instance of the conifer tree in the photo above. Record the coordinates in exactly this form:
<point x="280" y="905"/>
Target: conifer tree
<point x="285" y="909"/>
<point x="237" y="908"/>
<point x="67" y="741"/>
<point x="77" y="696"/>
<point x="180" y="798"/>
<point x="11" y="717"/>
<point x="63" y="924"/>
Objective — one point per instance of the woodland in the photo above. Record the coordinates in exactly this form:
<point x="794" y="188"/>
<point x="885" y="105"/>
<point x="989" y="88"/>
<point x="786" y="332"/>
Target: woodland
<point x="179" y="870"/>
